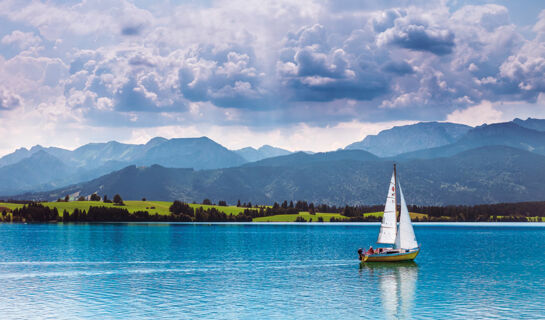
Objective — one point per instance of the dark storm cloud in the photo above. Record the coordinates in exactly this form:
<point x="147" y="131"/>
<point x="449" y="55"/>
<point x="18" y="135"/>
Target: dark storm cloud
<point x="421" y="38"/>
<point x="398" y="67"/>
<point x="131" y="30"/>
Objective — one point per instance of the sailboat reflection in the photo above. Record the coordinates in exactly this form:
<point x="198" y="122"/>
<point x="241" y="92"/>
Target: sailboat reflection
<point x="397" y="283"/>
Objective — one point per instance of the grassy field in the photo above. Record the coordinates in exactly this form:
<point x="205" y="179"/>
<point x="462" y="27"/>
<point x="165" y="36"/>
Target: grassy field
<point x="292" y="217"/>
<point x="325" y="216"/>
<point x="412" y="214"/>
<point x="10" y="206"/>
<point x="159" y="207"/>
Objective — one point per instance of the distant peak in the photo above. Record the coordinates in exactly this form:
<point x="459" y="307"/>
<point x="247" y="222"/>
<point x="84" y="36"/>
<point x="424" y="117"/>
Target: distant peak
<point x="246" y="149"/>
<point x="36" y="147"/>
<point x="203" y="138"/>
<point x="266" y="146"/>
<point x="156" y="140"/>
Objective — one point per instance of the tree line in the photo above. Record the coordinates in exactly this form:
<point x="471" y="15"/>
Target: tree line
<point x="182" y="212"/>
<point x="519" y="211"/>
<point x="179" y="212"/>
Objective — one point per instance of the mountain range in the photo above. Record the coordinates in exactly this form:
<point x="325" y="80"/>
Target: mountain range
<point x="484" y="175"/>
<point x="440" y="163"/>
<point x="250" y="154"/>
<point x="45" y="168"/>
<point x="409" y="138"/>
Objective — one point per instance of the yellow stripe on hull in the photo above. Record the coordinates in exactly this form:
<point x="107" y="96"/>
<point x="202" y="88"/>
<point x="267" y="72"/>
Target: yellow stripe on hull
<point x="392" y="257"/>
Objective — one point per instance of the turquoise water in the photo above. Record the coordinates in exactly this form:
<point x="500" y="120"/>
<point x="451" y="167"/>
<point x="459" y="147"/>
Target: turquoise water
<point x="120" y="271"/>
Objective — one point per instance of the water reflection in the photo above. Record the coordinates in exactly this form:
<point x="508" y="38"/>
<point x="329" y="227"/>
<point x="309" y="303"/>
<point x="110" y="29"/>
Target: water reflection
<point x="397" y="284"/>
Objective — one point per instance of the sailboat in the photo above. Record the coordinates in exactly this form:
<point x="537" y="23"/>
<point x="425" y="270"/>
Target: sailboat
<point x="405" y="247"/>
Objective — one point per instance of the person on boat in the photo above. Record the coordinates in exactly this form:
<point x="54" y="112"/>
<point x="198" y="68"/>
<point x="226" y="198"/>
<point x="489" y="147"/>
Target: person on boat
<point x="360" y="253"/>
<point x="370" y="251"/>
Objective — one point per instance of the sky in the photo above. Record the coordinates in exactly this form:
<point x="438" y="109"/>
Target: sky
<point x="301" y="75"/>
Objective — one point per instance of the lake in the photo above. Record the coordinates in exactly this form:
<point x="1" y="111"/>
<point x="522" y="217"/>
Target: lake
<point x="257" y="271"/>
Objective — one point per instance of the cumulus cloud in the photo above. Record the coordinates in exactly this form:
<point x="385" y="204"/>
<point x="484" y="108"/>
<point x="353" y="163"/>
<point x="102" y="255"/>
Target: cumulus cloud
<point x="398" y="67"/>
<point x="524" y="69"/>
<point x="415" y="33"/>
<point x="8" y="100"/>
<point x="313" y="68"/>
<point x="228" y="78"/>
<point x="224" y="64"/>
<point x="476" y="115"/>
<point x="22" y="40"/>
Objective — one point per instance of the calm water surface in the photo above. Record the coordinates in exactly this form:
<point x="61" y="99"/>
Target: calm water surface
<point x="187" y="271"/>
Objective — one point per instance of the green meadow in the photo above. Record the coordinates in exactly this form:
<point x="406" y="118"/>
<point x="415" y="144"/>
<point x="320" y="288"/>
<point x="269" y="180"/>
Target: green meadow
<point x="10" y="206"/>
<point x="159" y="207"/>
<point x="412" y="214"/>
<point x="162" y="208"/>
<point x="291" y="217"/>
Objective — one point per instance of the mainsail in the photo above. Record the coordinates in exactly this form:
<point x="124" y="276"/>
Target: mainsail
<point x="405" y="238"/>
<point x="387" y="234"/>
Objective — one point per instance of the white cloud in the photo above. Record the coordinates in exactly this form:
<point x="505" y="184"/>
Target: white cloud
<point x="476" y="115"/>
<point x="9" y="100"/>
<point x="261" y="68"/>
<point x="22" y="40"/>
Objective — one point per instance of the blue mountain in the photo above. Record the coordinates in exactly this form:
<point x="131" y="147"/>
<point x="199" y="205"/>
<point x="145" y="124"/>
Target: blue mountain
<point x="500" y="134"/>
<point x="413" y="137"/>
<point x="488" y="174"/>
<point x="531" y="123"/>
<point x="250" y="154"/>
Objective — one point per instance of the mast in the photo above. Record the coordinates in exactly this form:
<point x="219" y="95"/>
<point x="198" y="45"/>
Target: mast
<point x="395" y="193"/>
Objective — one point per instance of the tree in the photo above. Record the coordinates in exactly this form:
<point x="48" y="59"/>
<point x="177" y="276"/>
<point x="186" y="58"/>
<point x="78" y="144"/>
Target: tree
<point x="181" y="208"/>
<point x="95" y="197"/>
<point x="176" y="207"/>
<point x="238" y="203"/>
<point x="144" y="199"/>
<point x="207" y="202"/>
<point x="81" y="198"/>
<point x="222" y="203"/>
<point x="118" y="200"/>
<point x="67" y="198"/>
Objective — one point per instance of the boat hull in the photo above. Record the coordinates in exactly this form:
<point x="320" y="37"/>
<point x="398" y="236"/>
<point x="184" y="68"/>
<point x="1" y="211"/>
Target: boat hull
<point x="392" y="257"/>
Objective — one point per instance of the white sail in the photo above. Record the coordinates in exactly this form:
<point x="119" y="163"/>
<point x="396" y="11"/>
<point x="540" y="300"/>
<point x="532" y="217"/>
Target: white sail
<point x="405" y="238"/>
<point x="387" y="234"/>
